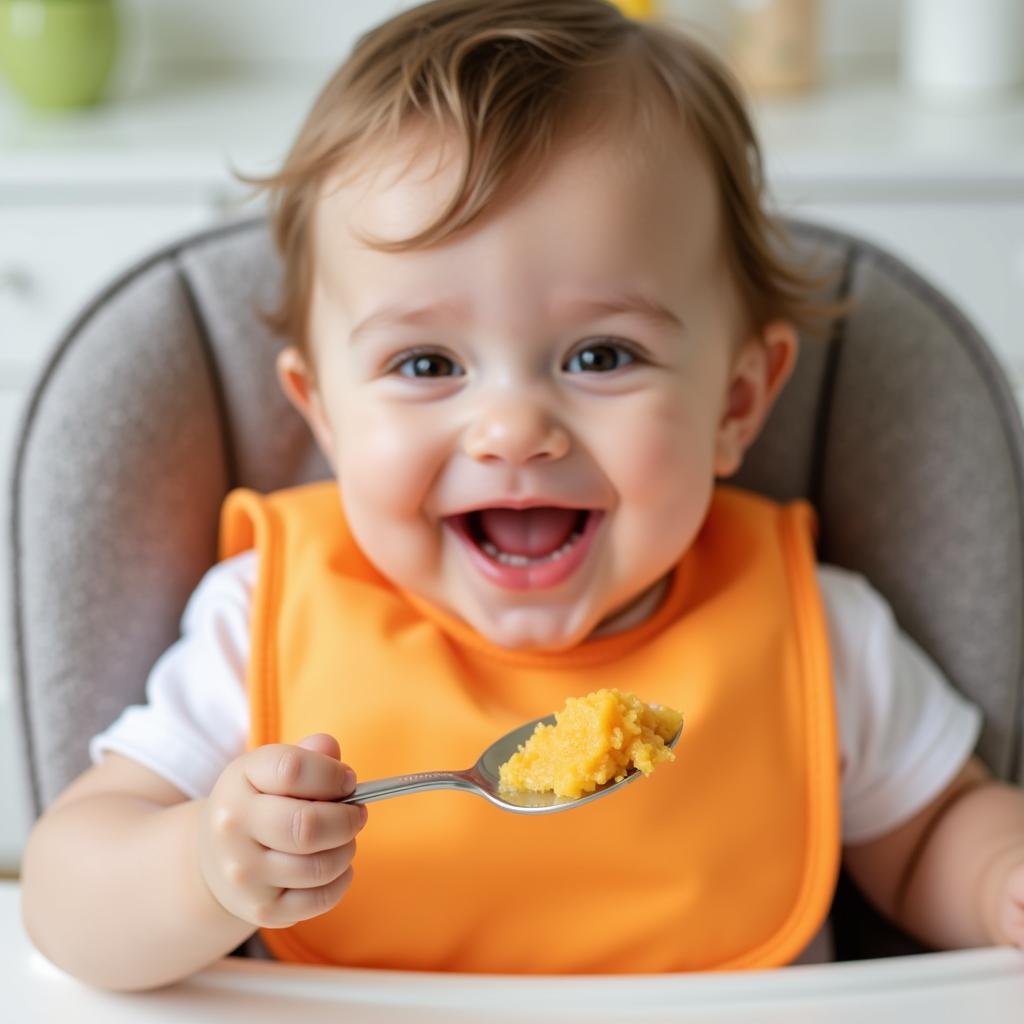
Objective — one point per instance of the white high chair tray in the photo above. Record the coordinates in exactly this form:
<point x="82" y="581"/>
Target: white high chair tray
<point x="984" y="986"/>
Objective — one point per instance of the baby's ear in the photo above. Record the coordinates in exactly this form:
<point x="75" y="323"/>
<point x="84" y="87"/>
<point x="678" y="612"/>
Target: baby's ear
<point x="759" y="370"/>
<point x="298" y="382"/>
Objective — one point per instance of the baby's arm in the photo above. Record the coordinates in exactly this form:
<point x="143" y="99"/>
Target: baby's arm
<point x="129" y="885"/>
<point x="953" y="875"/>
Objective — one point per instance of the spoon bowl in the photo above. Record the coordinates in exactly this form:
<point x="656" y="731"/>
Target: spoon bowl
<point x="483" y="779"/>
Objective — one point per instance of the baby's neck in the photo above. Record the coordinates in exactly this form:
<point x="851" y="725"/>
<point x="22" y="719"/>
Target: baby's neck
<point x="638" y="610"/>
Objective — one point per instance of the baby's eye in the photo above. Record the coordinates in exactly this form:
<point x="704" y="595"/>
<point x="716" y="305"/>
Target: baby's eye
<point x="601" y="357"/>
<point x="427" y="364"/>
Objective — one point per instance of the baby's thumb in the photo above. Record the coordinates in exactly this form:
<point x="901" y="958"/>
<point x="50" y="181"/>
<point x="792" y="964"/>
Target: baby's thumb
<point x="321" y="743"/>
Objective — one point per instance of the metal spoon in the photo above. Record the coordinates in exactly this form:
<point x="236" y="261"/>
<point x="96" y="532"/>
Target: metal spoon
<point x="482" y="779"/>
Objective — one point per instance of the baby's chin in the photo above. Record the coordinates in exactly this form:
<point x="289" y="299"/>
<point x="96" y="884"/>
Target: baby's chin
<point x="540" y="630"/>
<point x="546" y="626"/>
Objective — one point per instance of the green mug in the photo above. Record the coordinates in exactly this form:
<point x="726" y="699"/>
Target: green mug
<point x="58" y="53"/>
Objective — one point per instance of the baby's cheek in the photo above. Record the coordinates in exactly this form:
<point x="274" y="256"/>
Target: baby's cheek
<point x="401" y="548"/>
<point x="664" y="478"/>
<point x="663" y="456"/>
<point x="384" y="466"/>
<point x="384" y="477"/>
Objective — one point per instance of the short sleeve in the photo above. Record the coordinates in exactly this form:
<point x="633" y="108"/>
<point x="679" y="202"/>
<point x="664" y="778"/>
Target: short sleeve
<point x="196" y="716"/>
<point x="904" y="731"/>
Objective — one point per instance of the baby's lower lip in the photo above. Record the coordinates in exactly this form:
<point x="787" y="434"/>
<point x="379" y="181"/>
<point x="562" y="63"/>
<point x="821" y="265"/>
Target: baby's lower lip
<point x="536" y="575"/>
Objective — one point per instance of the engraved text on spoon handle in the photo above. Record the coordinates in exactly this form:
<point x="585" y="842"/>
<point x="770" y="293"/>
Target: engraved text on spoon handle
<point x="398" y="785"/>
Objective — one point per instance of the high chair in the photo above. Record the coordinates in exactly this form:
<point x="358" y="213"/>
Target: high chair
<point x="161" y="397"/>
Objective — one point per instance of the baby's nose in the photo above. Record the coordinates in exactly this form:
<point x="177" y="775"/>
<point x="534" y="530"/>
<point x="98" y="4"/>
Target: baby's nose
<point x="515" y="432"/>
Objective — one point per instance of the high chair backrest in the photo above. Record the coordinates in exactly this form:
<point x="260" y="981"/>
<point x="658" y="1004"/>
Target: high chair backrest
<point x="161" y="397"/>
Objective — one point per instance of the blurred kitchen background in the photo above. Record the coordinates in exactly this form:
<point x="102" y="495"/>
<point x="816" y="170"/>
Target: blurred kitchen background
<point x="902" y="120"/>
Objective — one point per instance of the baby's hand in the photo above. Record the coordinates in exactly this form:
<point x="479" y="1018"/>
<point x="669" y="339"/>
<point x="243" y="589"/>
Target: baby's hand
<point x="273" y="847"/>
<point x="1011" y="907"/>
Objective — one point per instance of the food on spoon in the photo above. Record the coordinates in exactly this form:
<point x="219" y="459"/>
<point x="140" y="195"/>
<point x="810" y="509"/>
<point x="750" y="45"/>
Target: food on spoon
<point x="595" y="739"/>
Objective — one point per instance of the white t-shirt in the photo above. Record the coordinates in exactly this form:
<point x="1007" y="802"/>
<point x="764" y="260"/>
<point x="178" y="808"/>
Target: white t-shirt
<point x="904" y="732"/>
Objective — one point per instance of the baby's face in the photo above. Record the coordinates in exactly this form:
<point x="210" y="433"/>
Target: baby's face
<point x="568" y="360"/>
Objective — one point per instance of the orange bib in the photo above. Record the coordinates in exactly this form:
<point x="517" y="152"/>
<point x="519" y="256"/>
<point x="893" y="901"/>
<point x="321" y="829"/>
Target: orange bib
<point x="726" y="858"/>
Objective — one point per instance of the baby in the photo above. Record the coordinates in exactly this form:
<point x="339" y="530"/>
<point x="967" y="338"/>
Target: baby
<point x="534" y="310"/>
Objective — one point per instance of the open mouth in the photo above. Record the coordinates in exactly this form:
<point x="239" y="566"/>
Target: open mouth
<point x="527" y="548"/>
<point x="534" y="553"/>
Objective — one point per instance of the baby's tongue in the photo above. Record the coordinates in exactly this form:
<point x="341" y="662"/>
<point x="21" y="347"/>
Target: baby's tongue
<point x="528" y="531"/>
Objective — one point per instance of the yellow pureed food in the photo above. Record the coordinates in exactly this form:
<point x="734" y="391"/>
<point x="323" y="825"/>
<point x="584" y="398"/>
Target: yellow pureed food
<point x="594" y="739"/>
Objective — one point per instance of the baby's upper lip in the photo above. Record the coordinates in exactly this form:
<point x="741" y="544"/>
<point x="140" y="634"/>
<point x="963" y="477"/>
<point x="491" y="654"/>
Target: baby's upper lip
<point x="521" y="502"/>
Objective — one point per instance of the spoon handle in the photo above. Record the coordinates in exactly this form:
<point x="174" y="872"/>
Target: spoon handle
<point x="399" y="785"/>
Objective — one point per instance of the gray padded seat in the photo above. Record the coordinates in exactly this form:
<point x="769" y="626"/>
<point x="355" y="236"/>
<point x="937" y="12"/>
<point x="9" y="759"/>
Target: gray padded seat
<point x="161" y="397"/>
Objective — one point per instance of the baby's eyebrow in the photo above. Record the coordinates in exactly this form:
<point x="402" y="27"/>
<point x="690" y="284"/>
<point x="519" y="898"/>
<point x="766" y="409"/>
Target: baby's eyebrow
<point x="433" y="312"/>
<point x="633" y="303"/>
<point x="618" y="303"/>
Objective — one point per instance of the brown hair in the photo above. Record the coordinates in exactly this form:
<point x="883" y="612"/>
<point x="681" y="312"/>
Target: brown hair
<point x="510" y="79"/>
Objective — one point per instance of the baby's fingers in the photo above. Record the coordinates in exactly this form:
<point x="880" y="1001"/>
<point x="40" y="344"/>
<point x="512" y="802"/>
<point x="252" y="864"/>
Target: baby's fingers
<point x="303" y="826"/>
<point x="1011" y="916"/>
<point x="301" y="904"/>
<point x="284" y="769"/>
<point x="307" y="871"/>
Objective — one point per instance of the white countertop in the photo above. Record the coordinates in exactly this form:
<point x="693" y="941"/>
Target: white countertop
<point x="863" y="132"/>
<point x="861" y="129"/>
<point x="981" y="986"/>
<point x="177" y="132"/>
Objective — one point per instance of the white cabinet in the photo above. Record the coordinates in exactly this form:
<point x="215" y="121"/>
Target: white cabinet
<point x="57" y="251"/>
<point x="55" y="254"/>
